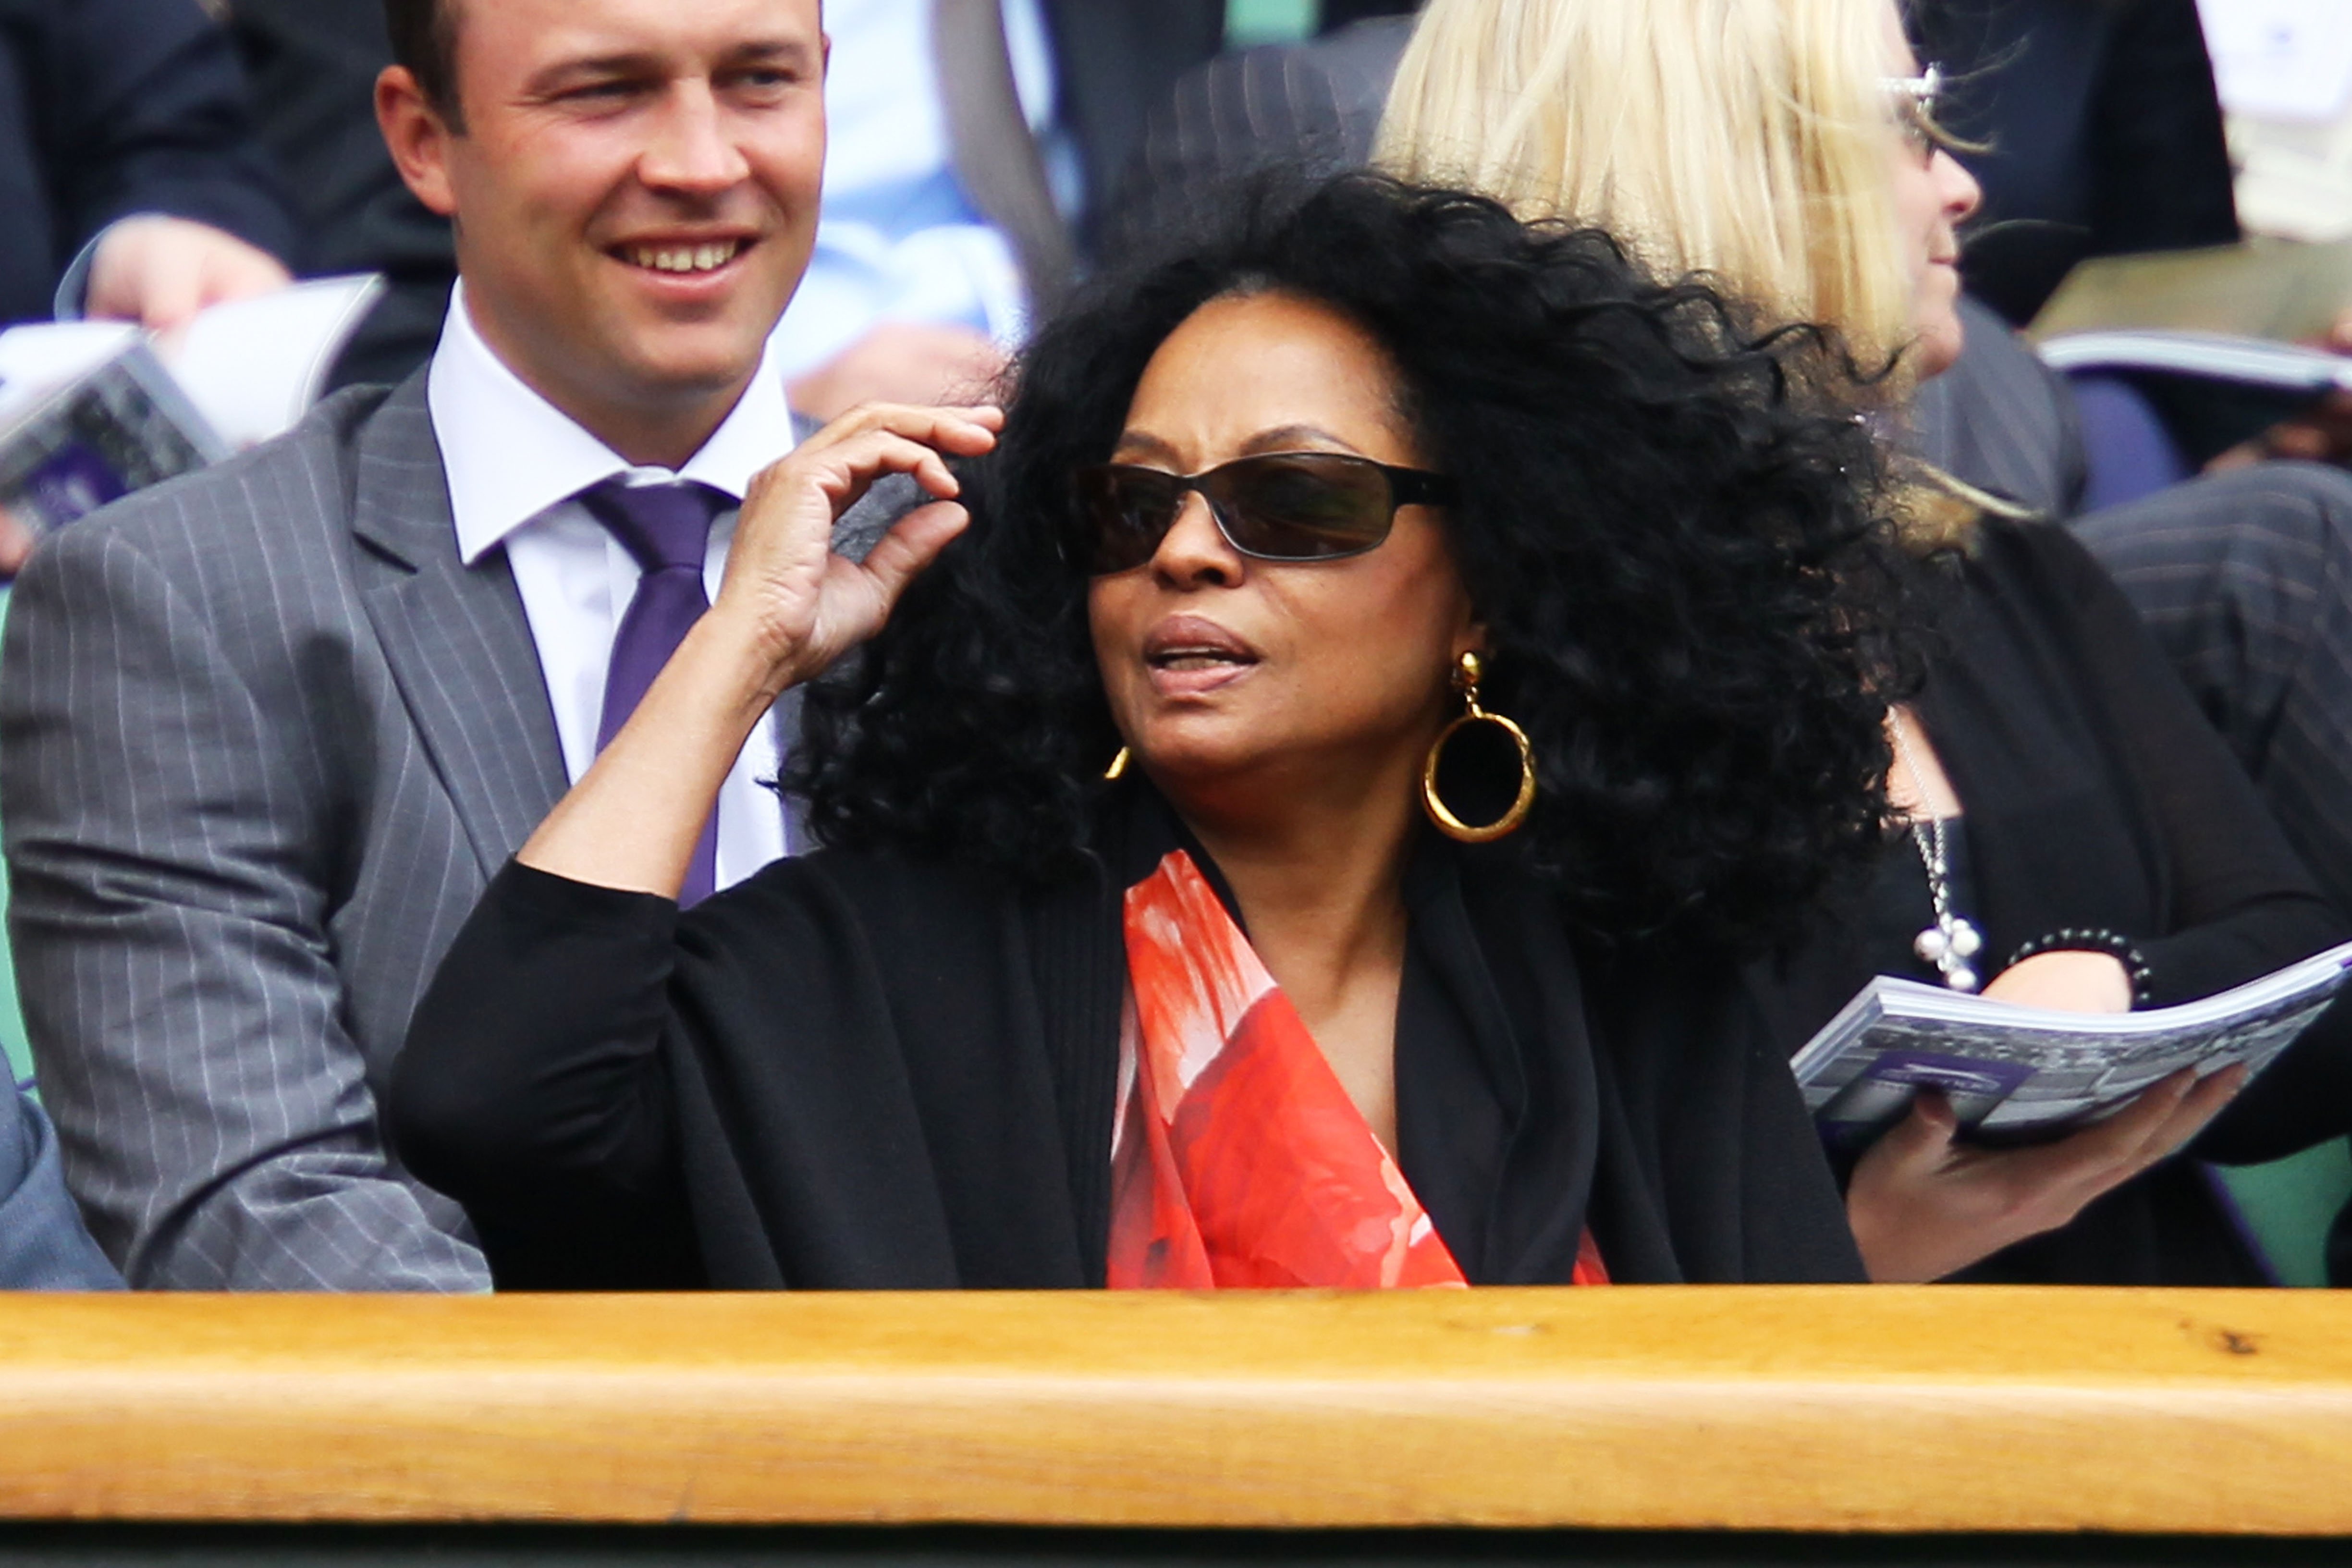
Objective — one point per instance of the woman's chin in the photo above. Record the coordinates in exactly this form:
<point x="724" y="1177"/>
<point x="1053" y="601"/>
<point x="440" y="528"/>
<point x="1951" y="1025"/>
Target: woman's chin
<point x="1939" y="336"/>
<point x="1199" y="751"/>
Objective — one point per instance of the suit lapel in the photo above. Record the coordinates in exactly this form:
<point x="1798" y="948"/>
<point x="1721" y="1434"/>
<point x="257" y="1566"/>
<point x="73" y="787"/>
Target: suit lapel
<point x="455" y="636"/>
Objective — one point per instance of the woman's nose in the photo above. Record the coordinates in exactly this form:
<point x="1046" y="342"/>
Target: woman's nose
<point x="1195" y="550"/>
<point x="1961" y="194"/>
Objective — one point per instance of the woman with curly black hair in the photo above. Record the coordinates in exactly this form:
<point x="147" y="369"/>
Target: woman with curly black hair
<point x="1301" y="831"/>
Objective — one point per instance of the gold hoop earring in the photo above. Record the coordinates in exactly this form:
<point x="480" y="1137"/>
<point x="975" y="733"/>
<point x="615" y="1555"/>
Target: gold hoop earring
<point x="1465" y="681"/>
<point x="1118" y="769"/>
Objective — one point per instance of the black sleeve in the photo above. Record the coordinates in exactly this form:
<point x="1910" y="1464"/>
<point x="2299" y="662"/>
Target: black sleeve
<point x="142" y="109"/>
<point x="532" y="1088"/>
<point x="2241" y="904"/>
<point x="1793" y="1220"/>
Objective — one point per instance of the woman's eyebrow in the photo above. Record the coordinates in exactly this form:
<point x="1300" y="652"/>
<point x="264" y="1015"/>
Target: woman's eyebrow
<point x="1144" y="444"/>
<point x="1286" y="438"/>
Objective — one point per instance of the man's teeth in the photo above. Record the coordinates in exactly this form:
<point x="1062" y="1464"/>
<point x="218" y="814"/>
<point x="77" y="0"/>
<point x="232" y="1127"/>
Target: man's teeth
<point x="685" y="257"/>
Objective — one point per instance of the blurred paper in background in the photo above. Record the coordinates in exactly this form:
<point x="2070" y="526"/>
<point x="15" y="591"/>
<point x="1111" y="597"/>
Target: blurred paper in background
<point x="90" y="411"/>
<point x="2284" y="70"/>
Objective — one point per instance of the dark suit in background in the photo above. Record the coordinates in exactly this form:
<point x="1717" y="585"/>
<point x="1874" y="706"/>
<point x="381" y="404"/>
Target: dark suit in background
<point x="313" y="64"/>
<point x="1114" y="60"/>
<point x="111" y="107"/>
<point x="1316" y="104"/>
<point x="2102" y="132"/>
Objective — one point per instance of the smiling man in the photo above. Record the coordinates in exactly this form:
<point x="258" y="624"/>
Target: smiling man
<point x="264" y="732"/>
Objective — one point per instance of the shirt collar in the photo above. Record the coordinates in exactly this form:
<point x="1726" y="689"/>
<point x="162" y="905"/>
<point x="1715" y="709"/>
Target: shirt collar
<point x="511" y="456"/>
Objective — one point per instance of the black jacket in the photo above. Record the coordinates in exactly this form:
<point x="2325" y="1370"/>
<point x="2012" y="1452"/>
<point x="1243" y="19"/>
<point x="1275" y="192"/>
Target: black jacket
<point x="2096" y="795"/>
<point x="855" y="1071"/>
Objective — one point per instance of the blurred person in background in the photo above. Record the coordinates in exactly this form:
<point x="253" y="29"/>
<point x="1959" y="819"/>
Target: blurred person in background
<point x="2093" y="129"/>
<point x="2065" y="820"/>
<point x="974" y="144"/>
<point x="1313" y="104"/>
<point x="43" y="1243"/>
<point x="128" y="174"/>
<point x="313" y="64"/>
<point x="131" y="182"/>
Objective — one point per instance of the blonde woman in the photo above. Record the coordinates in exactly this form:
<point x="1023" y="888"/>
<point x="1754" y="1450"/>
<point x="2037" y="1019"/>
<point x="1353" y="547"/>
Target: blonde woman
<point x="2073" y="833"/>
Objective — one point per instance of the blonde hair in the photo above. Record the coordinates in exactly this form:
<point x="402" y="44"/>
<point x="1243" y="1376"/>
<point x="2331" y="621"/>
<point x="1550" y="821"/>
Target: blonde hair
<point x="1744" y="138"/>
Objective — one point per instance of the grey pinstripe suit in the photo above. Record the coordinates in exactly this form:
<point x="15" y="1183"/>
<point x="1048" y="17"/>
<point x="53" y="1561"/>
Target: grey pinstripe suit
<point x="262" y="738"/>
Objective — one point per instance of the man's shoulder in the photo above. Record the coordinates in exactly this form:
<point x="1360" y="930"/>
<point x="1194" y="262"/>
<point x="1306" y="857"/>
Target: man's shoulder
<point x="272" y="499"/>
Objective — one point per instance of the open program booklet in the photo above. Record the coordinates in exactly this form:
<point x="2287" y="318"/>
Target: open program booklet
<point x="2021" y="1073"/>
<point x="2233" y="312"/>
<point x="90" y="411"/>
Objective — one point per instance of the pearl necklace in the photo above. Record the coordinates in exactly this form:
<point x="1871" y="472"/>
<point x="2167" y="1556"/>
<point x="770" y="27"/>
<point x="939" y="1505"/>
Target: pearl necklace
<point x="1953" y="939"/>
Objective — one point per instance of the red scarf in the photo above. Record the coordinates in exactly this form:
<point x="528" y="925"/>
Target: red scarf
<point x="1239" y="1160"/>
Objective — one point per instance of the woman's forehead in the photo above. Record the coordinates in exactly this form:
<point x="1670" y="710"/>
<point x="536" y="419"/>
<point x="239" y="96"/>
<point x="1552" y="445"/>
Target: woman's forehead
<point x="1243" y="367"/>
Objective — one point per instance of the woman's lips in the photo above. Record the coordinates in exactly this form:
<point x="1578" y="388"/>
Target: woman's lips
<point x="1189" y="656"/>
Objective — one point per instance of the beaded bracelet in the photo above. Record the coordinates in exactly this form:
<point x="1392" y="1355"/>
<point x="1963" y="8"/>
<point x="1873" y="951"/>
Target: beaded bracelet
<point x="2091" y="938"/>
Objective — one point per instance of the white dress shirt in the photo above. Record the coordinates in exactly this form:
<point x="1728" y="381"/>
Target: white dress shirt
<point x="898" y="240"/>
<point x="515" y="464"/>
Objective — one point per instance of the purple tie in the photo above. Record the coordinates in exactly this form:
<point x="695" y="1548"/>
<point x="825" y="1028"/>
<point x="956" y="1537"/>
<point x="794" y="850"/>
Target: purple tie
<point x="667" y="530"/>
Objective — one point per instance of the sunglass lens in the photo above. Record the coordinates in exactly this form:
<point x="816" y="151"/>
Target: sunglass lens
<point x="1129" y="512"/>
<point x="1302" y="507"/>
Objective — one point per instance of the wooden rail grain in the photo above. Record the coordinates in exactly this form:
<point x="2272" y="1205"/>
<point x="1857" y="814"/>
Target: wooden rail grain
<point x="1884" y="1409"/>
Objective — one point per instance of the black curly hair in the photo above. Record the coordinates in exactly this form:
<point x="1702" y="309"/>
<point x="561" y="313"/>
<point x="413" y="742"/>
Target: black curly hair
<point x="1674" y="539"/>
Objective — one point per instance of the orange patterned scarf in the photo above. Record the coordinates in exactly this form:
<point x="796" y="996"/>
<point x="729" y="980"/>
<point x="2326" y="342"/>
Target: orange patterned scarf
<point x="1239" y="1160"/>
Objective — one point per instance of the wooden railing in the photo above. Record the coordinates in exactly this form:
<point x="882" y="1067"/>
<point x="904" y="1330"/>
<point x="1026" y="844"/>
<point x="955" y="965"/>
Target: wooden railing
<point x="1871" y="1410"/>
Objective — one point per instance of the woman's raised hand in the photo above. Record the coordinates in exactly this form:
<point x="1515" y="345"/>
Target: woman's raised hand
<point x="789" y="607"/>
<point x="800" y="605"/>
<point x="1923" y="1205"/>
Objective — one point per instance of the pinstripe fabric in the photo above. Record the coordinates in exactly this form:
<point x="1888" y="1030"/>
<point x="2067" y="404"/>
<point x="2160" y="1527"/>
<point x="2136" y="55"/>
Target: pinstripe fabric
<point x="262" y="739"/>
<point x="1316" y="103"/>
<point x="2243" y="578"/>
<point x="2246" y="579"/>
<point x="2001" y="419"/>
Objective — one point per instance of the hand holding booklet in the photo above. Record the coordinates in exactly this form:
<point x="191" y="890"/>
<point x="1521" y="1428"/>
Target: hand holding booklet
<point x="2018" y="1074"/>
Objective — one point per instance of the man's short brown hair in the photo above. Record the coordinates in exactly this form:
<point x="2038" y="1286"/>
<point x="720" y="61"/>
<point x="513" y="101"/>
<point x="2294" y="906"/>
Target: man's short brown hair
<point x="425" y="39"/>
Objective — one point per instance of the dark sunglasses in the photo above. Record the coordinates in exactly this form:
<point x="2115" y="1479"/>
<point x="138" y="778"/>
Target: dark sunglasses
<point x="1282" y="506"/>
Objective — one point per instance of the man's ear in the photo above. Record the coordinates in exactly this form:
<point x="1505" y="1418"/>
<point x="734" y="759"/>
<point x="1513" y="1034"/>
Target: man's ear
<point x="417" y="137"/>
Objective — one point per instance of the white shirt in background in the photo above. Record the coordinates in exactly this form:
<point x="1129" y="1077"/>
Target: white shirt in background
<point x="898" y="239"/>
